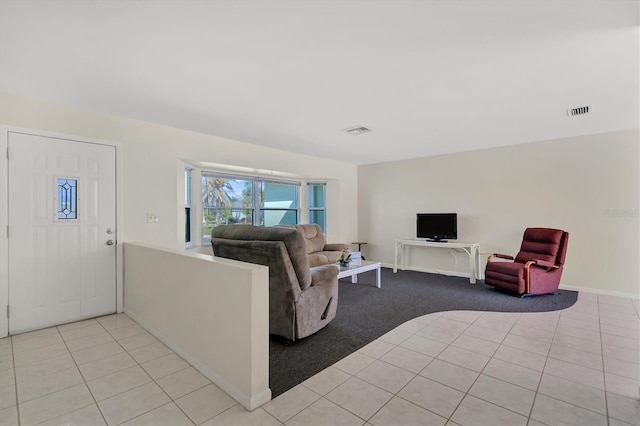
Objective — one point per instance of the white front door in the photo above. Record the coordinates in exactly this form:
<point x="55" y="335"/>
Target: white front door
<point x="62" y="231"/>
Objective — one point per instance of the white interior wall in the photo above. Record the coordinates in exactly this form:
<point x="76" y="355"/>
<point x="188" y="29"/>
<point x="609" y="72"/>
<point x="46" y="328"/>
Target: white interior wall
<point x="152" y="151"/>
<point x="149" y="154"/>
<point x="570" y="183"/>
<point x="586" y="185"/>
<point x="218" y="319"/>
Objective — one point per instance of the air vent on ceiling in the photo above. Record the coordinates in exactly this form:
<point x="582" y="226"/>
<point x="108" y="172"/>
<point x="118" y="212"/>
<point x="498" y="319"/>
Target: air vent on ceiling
<point x="358" y="130"/>
<point x="579" y="111"/>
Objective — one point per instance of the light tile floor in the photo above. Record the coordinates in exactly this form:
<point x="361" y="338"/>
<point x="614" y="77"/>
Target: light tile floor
<point x="578" y="366"/>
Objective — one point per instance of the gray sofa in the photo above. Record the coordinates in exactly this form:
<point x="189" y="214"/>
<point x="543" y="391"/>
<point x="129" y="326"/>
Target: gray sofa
<point x="318" y="251"/>
<point x="302" y="300"/>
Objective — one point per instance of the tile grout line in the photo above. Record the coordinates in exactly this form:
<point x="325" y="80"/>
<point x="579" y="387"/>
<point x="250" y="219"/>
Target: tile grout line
<point x="448" y="418"/>
<point x="557" y="323"/>
<point x="480" y="374"/>
<point x="466" y="393"/>
<point x="50" y="393"/>
<point x="396" y="394"/>
<point x="604" y="372"/>
<point x="135" y="387"/>
<point x="604" y="375"/>
<point x="15" y="379"/>
<point x="393" y="345"/>
<point x="171" y="399"/>
<point x="418" y="375"/>
<point x="604" y="390"/>
<point x="546" y="359"/>
<point x="351" y="376"/>
<point x="153" y="380"/>
<point x="70" y="353"/>
<point x="83" y="379"/>
<point x="536" y="392"/>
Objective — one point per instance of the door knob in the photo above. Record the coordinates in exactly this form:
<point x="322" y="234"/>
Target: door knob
<point x="110" y="242"/>
<point x="109" y="231"/>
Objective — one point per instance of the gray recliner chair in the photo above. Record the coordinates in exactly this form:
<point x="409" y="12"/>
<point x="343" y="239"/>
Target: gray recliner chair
<point x="302" y="300"/>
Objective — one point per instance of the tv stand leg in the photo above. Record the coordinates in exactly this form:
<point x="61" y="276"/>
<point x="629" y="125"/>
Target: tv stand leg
<point x="473" y="255"/>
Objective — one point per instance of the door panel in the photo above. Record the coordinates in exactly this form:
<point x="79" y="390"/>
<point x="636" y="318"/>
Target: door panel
<point x="62" y="201"/>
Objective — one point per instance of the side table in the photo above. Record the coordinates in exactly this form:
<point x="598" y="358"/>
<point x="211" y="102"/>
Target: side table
<point x="360" y="243"/>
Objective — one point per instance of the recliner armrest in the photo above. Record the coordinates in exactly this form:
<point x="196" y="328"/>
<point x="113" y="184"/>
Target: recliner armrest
<point x="499" y="256"/>
<point x="545" y="264"/>
<point x="335" y="247"/>
<point x="323" y="275"/>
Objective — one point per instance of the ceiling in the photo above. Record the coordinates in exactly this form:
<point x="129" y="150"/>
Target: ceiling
<point x="427" y="77"/>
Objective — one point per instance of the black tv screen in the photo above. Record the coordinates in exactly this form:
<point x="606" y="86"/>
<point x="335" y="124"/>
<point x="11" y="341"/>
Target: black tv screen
<point x="437" y="226"/>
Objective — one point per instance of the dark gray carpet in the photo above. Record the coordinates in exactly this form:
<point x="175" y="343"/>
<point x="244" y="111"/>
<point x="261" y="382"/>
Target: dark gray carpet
<point x="366" y="313"/>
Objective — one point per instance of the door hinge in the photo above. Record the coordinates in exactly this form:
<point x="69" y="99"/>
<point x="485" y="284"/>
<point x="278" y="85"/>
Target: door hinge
<point x="7" y="311"/>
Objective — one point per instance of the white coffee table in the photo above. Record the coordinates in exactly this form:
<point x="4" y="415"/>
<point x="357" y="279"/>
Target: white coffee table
<point x="357" y="268"/>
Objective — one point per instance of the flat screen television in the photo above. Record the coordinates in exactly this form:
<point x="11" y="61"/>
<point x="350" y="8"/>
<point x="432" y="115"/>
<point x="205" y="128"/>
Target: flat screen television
<point x="437" y="226"/>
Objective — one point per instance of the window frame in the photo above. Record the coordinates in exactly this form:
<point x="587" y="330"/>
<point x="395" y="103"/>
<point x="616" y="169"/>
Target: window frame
<point x="73" y="198"/>
<point x="257" y="208"/>
<point x="313" y="209"/>
<point x="260" y="200"/>
<point x="188" y="208"/>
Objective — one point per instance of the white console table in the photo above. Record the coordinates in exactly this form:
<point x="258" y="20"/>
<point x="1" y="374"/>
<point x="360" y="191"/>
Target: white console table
<point x="472" y="250"/>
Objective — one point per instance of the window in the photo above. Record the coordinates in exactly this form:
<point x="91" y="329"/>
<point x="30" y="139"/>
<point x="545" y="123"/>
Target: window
<point x="229" y="199"/>
<point x="67" y="198"/>
<point x="187" y="206"/>
<point x="316" y="196"/>
<point x="278" y="203"/>
<point x="225" y="200"/>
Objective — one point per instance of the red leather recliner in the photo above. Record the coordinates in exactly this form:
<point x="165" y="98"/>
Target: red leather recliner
<point x="536" y="269"/>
